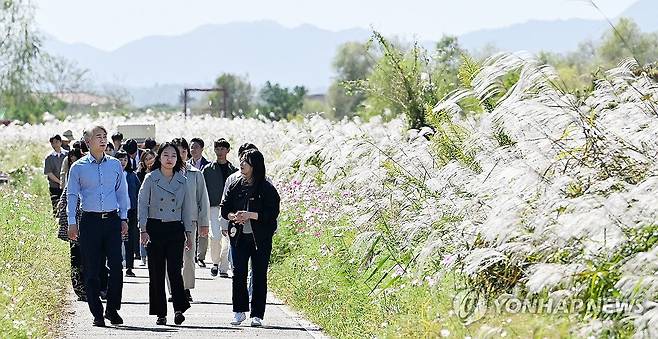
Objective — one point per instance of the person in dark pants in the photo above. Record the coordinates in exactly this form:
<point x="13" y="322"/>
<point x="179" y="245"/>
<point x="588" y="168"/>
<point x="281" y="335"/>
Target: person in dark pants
<point x="52" y="169"/>
<point x="233" y="178"/>
<point x="165" y="220"/>
<point x="134" y="184"/>
<point x="251" y="205"/>
<point x="97" y="181"/>
<point x="145" y="163"/>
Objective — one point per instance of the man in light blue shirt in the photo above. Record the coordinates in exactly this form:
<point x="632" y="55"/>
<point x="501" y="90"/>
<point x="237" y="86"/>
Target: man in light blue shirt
<point x="97" y="180"/>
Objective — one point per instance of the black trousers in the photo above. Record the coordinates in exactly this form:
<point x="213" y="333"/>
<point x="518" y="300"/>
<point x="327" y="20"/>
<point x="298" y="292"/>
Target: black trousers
<point x="104" y="276"/>
<point x="165" y="253"/>
<point x="133" y="238"/>
<point x="100" y="240"/>
<point x="136" y="245"/>
<point x="241" y="252"/>
<point x="55" y="194"/>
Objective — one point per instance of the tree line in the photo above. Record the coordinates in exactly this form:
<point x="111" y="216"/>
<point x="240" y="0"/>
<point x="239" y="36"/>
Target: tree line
<point x="274" y="101"/>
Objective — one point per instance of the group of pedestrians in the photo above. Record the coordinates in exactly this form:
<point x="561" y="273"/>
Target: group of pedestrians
<point x="168" y="202"/>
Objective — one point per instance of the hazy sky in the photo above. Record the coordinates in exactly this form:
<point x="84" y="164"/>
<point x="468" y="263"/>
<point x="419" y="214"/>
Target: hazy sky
<point x="110" y="24"/>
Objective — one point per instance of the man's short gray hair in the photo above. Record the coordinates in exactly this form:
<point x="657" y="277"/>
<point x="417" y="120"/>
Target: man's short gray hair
<point x="88" y="132"/>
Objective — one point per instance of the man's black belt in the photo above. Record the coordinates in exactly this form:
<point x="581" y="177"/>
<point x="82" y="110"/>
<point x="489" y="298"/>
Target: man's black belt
<point x="102" y="215"/>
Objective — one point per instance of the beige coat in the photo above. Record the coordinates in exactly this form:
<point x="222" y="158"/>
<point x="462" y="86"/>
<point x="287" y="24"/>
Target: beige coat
<point x="196" y="187"/>
<point x="166" y="200"/>
<point x="64" y="173"/>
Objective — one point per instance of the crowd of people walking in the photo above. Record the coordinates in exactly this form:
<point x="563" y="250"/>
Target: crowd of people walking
<point x="163" y="204"/>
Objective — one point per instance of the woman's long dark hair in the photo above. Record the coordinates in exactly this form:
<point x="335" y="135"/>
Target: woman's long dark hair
<point x="74" y="152"/>
<point x="157" y="164"/>
<point x="181" y="142"/>
<point x="129" y="166"/>
<point x="143" y="168"/>
<point x="255" y="159"/>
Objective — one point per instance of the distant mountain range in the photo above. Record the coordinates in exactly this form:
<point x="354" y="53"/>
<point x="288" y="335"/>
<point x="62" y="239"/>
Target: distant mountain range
<point x="155" y="68"/>
<point x="558" y="35"/>
<point x="263" y="50"/>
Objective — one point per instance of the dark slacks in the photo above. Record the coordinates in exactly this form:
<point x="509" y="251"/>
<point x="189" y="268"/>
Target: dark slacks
<point x="133" y="239"/>
<point x="55" y="194"/>
<point x="100" y="240"/>
<point x="104" y="276"/>
<point x="136" y="248"/>
<point x="241" y="252"/>
<point x="165" y="253"/>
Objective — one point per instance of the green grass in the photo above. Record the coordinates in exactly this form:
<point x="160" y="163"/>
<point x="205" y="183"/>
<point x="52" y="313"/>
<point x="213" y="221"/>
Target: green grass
<point x="316" y="274"/>
<point x="34" y="264"/>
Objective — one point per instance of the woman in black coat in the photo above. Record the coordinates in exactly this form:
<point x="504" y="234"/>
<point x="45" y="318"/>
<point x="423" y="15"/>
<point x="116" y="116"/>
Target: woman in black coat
<point x="251" y="205"/>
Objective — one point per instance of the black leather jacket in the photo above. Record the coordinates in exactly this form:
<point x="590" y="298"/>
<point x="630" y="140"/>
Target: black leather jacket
<point x="262" y="199"/>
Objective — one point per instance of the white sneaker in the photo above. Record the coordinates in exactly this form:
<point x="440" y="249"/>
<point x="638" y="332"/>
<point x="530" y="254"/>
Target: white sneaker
<point x="238" y="318"/>
<point x="256" y="322"/>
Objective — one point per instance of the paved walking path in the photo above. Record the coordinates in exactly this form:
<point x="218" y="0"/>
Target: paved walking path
<point x="209" y="316"/>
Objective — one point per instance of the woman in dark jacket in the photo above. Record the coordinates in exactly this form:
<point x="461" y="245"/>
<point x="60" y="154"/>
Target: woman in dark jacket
<point x="133" y="231"/>
<point x="251" y="205"/>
